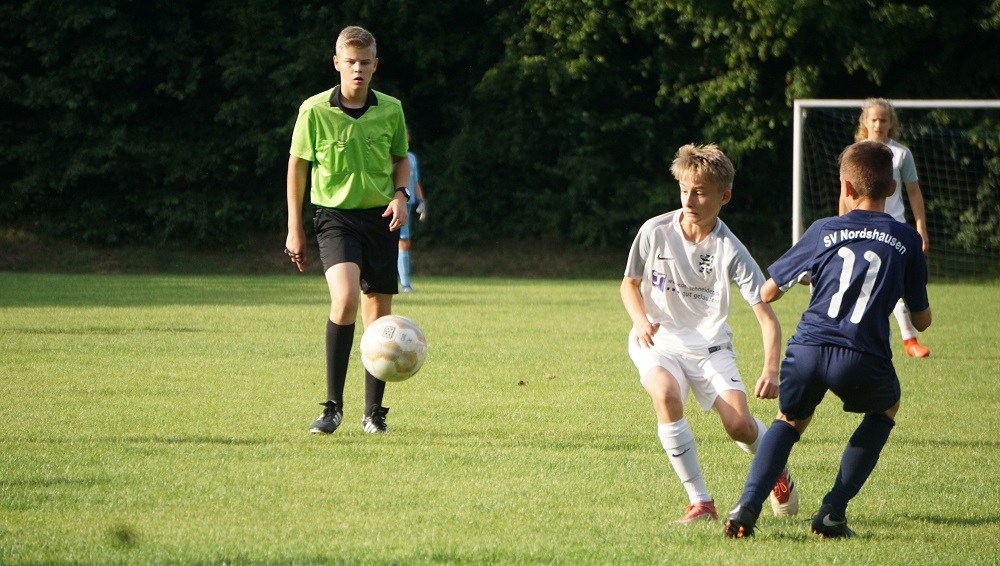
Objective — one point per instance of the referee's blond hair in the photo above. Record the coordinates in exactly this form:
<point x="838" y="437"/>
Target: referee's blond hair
<point x="357" y="37"/>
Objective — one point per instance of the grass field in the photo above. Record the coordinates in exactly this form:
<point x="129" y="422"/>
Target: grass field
<point x="164" y="419"/>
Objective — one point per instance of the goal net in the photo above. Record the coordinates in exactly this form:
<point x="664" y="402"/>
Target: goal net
<point x="956" y="146"/>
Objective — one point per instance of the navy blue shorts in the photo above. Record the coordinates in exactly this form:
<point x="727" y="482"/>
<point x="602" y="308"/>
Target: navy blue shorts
<point x="361" y="237"/>
<point x="865" y="383"/>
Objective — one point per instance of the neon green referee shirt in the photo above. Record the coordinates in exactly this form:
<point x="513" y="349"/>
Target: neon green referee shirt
<point x="351" y="158"/>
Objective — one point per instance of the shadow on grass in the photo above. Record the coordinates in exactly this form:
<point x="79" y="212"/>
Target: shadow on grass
<point x="214" y="440"/>
<point x="955" y="521"/>
<point x="52" y="482"/>
<point x="24" y="252"/>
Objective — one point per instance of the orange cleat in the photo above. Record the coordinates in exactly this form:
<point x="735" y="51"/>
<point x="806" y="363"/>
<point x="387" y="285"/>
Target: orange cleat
<point x="701" y="511"/>
<point x="915" y="349"/>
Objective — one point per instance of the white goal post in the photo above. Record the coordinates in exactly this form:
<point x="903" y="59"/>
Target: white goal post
<point x="956" y="144"/>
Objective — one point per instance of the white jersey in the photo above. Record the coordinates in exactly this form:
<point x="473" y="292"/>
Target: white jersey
<point x="686" y="286"/>
<point x="904" y="170"/>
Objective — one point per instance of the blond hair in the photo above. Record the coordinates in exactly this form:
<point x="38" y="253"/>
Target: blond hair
<point x="867" y="165"/>
<point x="356" y="37"/>
<point x="706" y="161"/>
<point x="862" y="132"/>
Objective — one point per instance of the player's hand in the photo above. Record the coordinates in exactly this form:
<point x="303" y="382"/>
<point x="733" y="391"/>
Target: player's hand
<point x="422" y="210"/>
<point x="295" y="247"/>
<point x="767" y="386"/>
<point x="644" y="334"/>
<point x="396" y="209"/>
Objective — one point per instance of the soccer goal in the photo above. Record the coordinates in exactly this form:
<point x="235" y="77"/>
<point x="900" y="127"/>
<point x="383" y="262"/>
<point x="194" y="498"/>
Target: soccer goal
<point x="956" y="146"/>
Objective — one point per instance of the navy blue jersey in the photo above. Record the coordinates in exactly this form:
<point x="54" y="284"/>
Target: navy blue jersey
<point x="861" y="264"/>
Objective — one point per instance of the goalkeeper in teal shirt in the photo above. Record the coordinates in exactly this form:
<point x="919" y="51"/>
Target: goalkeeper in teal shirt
<point x="349" y="144"/>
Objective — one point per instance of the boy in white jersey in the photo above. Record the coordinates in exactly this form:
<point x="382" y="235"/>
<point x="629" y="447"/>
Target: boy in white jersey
<point x="676" y="290"/>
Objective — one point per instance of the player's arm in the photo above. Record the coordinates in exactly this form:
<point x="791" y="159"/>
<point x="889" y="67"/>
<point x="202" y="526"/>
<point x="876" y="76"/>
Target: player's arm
<point x="632" y="299"/>
<point x="770" y="291"/>
<point x="397" y="206"/>
<point x="295" y="181"/>
<point x="770" y="330"/>
<point x="922" y="319"/>
<point x="916" y="199"/>
<point x="804" y="278"/>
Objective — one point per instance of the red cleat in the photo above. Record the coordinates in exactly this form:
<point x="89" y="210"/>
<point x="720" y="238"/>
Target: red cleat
<point x="701" y="511"/>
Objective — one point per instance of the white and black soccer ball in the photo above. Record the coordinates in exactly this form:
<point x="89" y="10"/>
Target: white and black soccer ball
<point x="393" y="348"/>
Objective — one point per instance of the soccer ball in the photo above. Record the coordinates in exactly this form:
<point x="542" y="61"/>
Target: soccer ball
<point x="393" y="348"/>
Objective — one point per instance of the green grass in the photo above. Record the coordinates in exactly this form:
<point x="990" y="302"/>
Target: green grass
<point x="164" y="419"/>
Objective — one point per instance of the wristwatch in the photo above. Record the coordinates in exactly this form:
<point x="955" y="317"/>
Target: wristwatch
<point x="405" y="192"/>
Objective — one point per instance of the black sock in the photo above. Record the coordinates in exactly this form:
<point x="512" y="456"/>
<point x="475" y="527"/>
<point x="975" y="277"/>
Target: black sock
<point x="374" y="391"/>
<point x="339" y="341"/>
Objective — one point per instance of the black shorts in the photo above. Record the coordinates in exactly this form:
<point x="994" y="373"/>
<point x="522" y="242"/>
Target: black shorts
<point x="865" y="383"/>
<point x="361" y="237"/>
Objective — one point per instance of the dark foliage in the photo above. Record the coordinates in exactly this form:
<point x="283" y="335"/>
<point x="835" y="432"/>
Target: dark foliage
<point x="168" y="123"/>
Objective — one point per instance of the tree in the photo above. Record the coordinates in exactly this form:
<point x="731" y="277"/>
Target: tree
<point x="592" y="98"/>
<point x="168" y="122"/>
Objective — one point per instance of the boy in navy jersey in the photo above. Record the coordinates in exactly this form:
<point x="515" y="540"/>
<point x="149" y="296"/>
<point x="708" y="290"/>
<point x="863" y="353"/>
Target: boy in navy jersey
<point x="861" y="264"/>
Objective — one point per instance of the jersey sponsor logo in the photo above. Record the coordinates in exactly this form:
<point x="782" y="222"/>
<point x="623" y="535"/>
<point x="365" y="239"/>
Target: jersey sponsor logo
<point x="665" y="283"/>
<point x="659" y="281"/>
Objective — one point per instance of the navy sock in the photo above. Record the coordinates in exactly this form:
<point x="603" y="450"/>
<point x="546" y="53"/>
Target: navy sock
<point x="770" y="459"/>
<point x="339" y="341"/>
<point x="859" y="459"/>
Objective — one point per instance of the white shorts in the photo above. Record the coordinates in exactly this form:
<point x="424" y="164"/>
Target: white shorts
<point x="706" y="375"/>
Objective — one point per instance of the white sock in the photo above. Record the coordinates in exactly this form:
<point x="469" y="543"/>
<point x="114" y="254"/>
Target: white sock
<point x="752" y="447"/>
<point x="678" y="442"/>
<point x="906" y="328"/>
